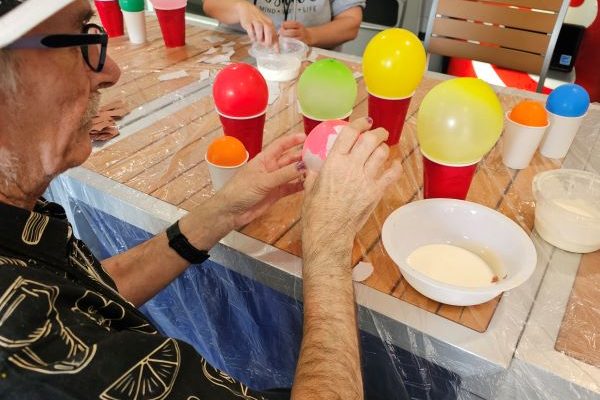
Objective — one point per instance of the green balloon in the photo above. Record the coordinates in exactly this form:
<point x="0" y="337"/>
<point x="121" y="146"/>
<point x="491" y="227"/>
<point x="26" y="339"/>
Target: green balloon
<point x="327" y="90"/>
<point x="132" y="5"/>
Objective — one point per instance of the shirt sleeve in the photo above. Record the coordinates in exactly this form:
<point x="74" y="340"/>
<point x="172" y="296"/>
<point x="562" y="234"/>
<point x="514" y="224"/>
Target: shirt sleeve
<point x="339" y="6"/>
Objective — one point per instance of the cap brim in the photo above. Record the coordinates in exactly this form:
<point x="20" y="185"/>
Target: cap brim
<point x="27" y="16"/>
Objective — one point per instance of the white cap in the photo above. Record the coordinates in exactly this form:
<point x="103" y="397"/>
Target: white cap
<point x="17" y="17"/>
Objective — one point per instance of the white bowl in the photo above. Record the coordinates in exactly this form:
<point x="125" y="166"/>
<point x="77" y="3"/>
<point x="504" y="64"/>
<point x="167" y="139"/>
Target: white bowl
<point x="491" y="235"/>
<point x="567" y="209"/>
<point x="283" y="64"/>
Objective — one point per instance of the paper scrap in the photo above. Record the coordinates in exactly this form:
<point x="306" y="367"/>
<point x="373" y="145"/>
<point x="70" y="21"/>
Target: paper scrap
<point x="229" y="44"/>
<point x="173" y="75"/>
<point x="362" y="271"/>
<point x="212" y="50"/>
<point x="213" y="38"/>
<point x="219" y="59"/>
<point x="357" y="74"/>
<point x="104" y="125"/>
<point x="204" y="75"/>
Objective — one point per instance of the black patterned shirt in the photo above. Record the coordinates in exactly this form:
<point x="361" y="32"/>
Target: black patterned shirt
<point x="66" y="333"/>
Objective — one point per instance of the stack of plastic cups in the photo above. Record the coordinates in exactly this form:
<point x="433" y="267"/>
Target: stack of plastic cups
<point x="110" y="16"/>
<point x="326" y="91"/>
<point x="567" y="106"/>
<point x="135" y="20"/>
<point x="393" y="66"/>
<point x="241" y="96"/>
<point x="171" y="17"/>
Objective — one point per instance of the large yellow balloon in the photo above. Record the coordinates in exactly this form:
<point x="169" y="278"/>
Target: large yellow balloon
<point x="459" y="121"/>
<point x="394" y="63"/>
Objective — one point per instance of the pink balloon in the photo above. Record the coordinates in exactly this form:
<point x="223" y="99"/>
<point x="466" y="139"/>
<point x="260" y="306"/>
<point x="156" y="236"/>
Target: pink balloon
<point x="319" y="142"/>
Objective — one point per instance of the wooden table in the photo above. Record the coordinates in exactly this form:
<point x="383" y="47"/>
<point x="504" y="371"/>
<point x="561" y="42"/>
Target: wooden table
<point x="165" y="160"/>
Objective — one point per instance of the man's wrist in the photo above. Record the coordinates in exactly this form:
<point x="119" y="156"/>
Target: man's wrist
<point x="207" y="224"/>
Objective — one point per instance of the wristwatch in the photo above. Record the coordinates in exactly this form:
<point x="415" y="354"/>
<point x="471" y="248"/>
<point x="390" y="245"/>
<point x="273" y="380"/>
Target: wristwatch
<point x="183" y="247"/>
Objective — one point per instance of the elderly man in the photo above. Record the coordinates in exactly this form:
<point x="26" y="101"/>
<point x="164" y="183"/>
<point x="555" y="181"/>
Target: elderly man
<point x="69" y="328"/>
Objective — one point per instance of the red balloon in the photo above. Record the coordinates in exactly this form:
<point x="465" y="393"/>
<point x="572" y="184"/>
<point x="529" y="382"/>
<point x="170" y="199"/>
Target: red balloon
<point x="240" y="91"/>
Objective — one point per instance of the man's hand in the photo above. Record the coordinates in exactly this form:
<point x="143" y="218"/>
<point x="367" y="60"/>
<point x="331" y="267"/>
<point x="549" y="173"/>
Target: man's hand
<point x="259" y="27"/>
<point x="352" y="181"/>
<point x="296" y="30"/>
<point x="274" y="173"/>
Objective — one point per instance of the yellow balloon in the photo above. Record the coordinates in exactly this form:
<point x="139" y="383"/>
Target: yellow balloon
<point x="459" y="121"/>
<point x="394" y="63"/>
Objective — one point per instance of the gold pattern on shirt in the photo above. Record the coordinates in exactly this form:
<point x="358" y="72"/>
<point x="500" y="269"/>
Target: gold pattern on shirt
<point x="67" y="355"/>
<point x="152" y="378"/>
<point x="34" y="228"/>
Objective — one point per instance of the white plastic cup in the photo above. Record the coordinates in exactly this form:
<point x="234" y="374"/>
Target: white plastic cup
<point x="560" y="135"/>
<point x="520" y="143"/>
<point x="136" y="26"/>
<point x="220" y="175"/>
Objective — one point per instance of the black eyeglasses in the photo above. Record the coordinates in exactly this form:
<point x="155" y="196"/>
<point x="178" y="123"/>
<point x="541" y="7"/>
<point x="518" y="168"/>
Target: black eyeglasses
<point x="92" y="40"/>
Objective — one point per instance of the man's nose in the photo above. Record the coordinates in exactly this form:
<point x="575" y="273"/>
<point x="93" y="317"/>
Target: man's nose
<point x="109" y="75"/>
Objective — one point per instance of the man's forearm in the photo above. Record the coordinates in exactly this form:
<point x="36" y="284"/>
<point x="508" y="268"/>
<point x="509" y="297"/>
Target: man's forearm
<point x="329" y="364"/>
<point x="226" y="11"/>
<point x="144" y="270"/>
<point x="334" y="33"/>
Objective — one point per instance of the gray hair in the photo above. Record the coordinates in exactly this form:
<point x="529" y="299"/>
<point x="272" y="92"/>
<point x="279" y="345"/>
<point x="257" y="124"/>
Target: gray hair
<point x="8" y="73"/>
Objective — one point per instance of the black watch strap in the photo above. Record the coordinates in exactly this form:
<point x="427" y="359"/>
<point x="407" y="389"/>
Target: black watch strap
<point x="179" y="243"/>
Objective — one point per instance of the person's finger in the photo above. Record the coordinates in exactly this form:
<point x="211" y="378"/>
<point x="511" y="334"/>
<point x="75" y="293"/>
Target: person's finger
<point x="367" y="143"/>
<point x="309" y="180"/>
<point x="249" y="28"/>
<point x="285" y="175"/>
<point x="283" y="144"/>
<point x="270" y="34"/>
<point x="258" y="29"/>
<point x="289" y="157"/>
<point x="389" y="176"/>
<point x="347" y="137"/>
<point x="291" y="33"/>
<point x="376" y="161"/>
<point x="291" y="24"/>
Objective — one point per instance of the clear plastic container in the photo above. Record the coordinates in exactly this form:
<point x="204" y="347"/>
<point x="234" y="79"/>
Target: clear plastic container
<point x="280" y="65"/>
<point x="567" y="210"/>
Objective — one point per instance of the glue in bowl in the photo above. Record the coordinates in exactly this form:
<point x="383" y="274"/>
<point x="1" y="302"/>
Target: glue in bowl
<point x="283" y="65"/>
<point x="567" y="209"/>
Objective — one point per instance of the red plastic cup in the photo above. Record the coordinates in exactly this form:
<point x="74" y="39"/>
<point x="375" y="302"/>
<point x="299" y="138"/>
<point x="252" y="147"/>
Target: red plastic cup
<point x="248" y="130"/>
<point x="172" y="26"/>
<point x="310" y="123"/>
<point x="111" y="17"/>
<point x="389" y="114"/>
<point x="445" y="180"/>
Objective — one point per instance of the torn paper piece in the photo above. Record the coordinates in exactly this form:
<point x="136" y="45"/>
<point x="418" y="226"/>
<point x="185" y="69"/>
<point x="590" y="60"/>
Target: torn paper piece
<point x="219" y="59"/>
<point x="105" y="134"/>
<point x="229" y="44"/>
<point x="204" y="75"/>
<point x="173" y="75"/>
<point x="312" y="57"/>
<point x="212" y="50"/>
<point x="357" y="74"/>
<point x="213" y="38"/>
<point x="362" y="271"/>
